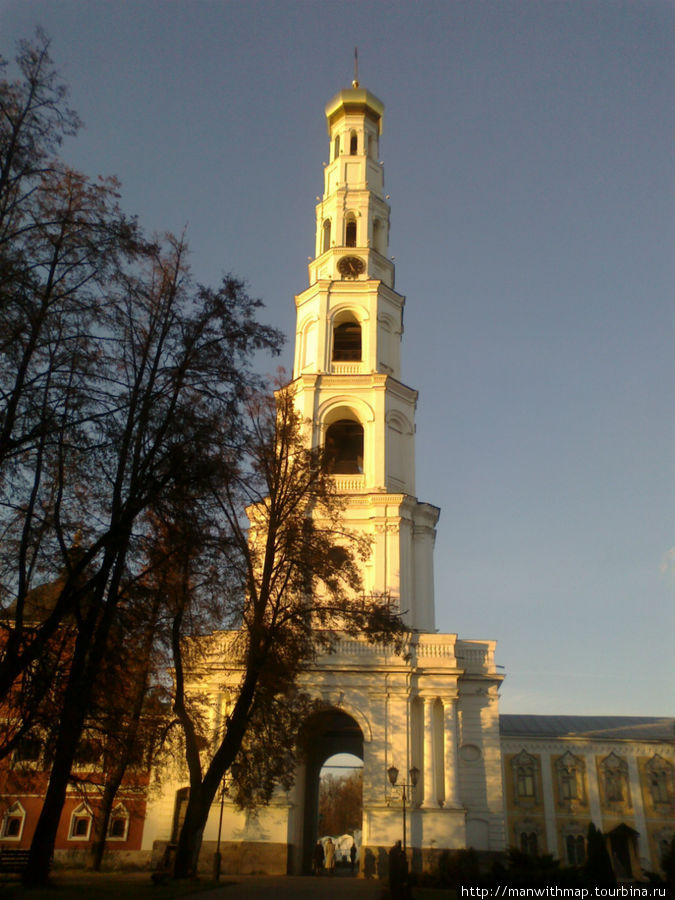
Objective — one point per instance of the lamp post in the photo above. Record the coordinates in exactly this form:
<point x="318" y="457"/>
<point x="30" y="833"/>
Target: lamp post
<point x="235" y="769"/>
<point x="392" y="772"/>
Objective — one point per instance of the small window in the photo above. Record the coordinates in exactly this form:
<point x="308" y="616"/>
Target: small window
<point x="12" y="824"/>
<point x="336" y="146"/>
<point x="347" y="342"/>
<point x="350" y="233"/>
<point x="353" y="144"/>
<point x="80" y="823"/>
<point x="344" y="444"/>
<point x="118" y="825"/>
<point x="326" y="235"/>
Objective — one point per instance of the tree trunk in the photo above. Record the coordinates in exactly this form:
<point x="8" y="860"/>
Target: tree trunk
<point x="190" y="839"/>
<point x="87" y="653"/>
<point x="70" y="730"/>
<point x="101" y="822"/>
<point x="113" y="783"/>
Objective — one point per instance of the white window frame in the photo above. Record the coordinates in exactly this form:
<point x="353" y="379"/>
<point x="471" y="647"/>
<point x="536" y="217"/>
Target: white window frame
<point x="15" y="811"/>
<point x="119" y="812"/>
<point x="80" y="812"/>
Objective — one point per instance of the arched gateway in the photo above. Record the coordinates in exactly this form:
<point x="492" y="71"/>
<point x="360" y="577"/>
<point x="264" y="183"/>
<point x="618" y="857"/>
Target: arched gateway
<point x="325" y="734"/>
<point x="433" y="707"/>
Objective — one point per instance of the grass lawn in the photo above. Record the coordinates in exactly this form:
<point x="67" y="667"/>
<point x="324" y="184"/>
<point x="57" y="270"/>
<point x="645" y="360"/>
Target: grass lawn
<point x="105" y="886"/>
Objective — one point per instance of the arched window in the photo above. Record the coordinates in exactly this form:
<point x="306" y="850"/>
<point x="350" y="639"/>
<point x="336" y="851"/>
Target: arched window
<point x="372" y="146"/>
<point x="326" y="236"/>
<point x="350" y="232"/>
<point x="347" y="342"/>
<point x="344" y="444"/>
<point x="353" y="144"/>
<point x="336" y="146"/>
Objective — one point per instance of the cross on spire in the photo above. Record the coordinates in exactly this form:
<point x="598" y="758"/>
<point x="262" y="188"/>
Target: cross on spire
<point x="355" y="82"/>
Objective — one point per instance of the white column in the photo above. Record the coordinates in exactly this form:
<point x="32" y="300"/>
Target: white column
<point x="450" y="752"/>
<point x="430" y="794"/>
<point x="549" y="803"/>
<point x="593" y="790"/>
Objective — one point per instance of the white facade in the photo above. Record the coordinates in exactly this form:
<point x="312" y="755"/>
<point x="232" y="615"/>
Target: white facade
<point x="435" y="707"/>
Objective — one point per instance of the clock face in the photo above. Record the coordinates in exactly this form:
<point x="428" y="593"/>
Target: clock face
<point x="350" y="266"/>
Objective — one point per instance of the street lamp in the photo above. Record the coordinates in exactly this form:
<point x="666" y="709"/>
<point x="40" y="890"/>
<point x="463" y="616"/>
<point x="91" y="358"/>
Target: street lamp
<point x="235" y="770"/>
<point x="392" y="772"/>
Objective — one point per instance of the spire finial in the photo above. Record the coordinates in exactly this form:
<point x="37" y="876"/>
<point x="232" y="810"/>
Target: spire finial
<point x="355" y="82"/>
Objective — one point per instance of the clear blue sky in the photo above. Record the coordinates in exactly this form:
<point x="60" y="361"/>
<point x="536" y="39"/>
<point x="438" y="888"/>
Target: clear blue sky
<point x="528" y="150"/>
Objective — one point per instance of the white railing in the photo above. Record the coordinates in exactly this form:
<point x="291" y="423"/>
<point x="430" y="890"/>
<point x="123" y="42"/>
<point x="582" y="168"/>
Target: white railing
<point x="345" y="484"/>
<point x="347" y="368"/>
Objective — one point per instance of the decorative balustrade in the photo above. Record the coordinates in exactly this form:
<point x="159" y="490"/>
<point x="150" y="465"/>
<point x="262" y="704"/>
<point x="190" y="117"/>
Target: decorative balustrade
<point x="349" y="483"/>
<point x="474" y="657"/>
<point x="347" y="368"/>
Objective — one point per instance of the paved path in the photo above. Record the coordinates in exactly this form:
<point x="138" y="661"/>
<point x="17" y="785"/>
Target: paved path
<point x="289" y="887"/>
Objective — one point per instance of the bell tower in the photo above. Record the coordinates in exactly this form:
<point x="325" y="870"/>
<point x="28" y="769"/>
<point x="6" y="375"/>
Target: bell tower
<point x="347" y="366"/>
<point x="430" y="712"/>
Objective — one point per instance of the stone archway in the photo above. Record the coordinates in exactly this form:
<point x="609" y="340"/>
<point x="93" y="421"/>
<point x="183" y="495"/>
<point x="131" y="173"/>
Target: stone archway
<point x="324" y="734"/>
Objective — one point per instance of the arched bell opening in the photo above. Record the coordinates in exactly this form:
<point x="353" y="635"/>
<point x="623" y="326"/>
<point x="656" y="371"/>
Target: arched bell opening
<point x="350" y="231"/>
<point x="327" y="734"/>
<point x="353" y="144"/>
<point x="344" y="445"/>
<point x="347" y="341"/>
<point x="325" y="244"/>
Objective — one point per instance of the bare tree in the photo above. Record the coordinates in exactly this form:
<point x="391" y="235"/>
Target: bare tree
<point x="340" y="803"/>
<point x="176" y="364"/>
<point x="293" y="598"/>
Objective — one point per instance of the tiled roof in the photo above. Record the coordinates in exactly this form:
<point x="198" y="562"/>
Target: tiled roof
<point x="628" y="728"/>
